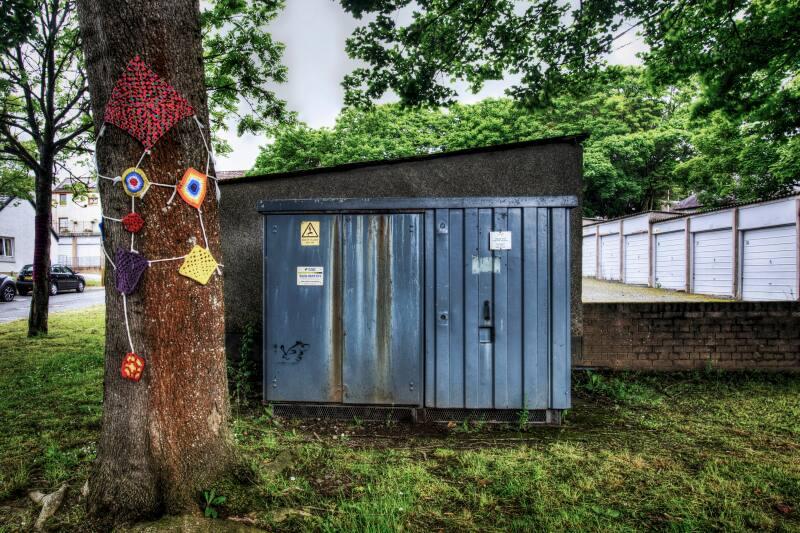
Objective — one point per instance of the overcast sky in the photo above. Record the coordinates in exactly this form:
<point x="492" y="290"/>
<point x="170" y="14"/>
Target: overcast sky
<point x="314" y="32"/>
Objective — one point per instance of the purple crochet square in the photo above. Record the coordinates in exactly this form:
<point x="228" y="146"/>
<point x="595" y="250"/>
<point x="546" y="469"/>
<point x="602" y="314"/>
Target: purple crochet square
<point x="129" y="269"/>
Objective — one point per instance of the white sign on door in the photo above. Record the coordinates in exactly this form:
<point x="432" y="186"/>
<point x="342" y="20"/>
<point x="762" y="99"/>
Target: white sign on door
<point x="499" y="240"/>
<point x="308" y="276"/>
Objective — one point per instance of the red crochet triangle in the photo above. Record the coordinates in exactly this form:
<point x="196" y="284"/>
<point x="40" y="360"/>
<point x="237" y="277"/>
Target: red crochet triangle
<point x="145" y="105"/>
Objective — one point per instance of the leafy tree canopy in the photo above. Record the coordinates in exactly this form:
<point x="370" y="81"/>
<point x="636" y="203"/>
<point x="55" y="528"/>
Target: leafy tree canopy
<point x="636" y="137"/>
<point x="745" y="53"/>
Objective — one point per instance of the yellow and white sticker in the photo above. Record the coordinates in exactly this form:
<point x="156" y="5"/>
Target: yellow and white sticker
<point x="310" y="276"/>
<point x="309" y="233"/>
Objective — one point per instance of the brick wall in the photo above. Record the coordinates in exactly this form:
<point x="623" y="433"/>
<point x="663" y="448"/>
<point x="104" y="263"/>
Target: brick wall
<point x="691" y="335"/>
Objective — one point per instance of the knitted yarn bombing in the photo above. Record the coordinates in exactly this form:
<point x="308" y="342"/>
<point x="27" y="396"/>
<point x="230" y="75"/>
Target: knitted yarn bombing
<point x="135" y="182"/>
<point x="130" y="267"/>
<point x="193" y="187"/>
<point x="144" y="105"/>
<point x="198" y="265"/>
<point x="132" y="367"/>
<point x="133" y="222"/>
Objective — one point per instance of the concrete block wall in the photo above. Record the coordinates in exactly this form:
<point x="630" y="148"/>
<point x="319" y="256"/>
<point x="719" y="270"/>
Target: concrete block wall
<point x="691" y="335"/>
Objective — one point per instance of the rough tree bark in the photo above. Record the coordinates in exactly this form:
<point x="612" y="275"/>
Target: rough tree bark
<point x="165" y="438"/>
<point x="37" y="317"/>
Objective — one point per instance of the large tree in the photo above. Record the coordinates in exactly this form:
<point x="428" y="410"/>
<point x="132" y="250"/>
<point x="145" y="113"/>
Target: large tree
<point x="746" y="53"/>
<point x="44" y="113"/>
<point x="43" y="119"/>
<point x="166" y="437"/>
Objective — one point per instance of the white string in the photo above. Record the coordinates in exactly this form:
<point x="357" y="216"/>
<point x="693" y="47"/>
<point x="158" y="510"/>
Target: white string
<point x="110" y="218"/>
<point x="167" y="259"/>
<point x="202" y="227"/>
<point x="209" y="157"/>
<point x="108" y="257"/>
<point x="140" y="159"/>
<point x="127" y="325"/>
<point x="163" y="184"/>
<point x="133" y="210"/>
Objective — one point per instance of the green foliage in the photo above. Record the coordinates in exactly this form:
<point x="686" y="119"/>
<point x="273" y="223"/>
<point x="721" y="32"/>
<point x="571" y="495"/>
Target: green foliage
<point x="242" y="368"/>
<point x="17" y="18"/>
<point x="241" y="60"/>
<point x="636" y="137"/>
<point x="745" y="53"/>
<point x="212" y="500"/>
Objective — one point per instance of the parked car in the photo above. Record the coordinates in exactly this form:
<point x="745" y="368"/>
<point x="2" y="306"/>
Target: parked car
<point x="8" y="289"/>
<point x="61" y="278"/>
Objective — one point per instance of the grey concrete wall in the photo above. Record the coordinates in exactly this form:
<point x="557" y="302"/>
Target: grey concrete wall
<point x="539" y="168"/>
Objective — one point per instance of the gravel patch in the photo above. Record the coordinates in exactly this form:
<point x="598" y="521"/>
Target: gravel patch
<point x="595" y="290"/>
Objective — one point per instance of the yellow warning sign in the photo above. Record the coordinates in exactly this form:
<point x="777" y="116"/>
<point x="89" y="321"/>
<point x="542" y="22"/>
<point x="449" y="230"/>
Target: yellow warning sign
<point x="309" y="233"/>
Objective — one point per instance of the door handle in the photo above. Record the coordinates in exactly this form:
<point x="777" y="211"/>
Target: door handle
<point x="487" y="312"/>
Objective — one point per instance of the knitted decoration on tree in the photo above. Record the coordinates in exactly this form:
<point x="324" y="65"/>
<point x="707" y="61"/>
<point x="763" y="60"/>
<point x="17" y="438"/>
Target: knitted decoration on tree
<point x="144" y="105"/>
<point x="129" y="269"/>
<point x="135" y="182"/>
<point x="193" y="187"/>
<point x="198" y="265"/>
<point x="133" y="222"/>
<point x="132" y="367"/>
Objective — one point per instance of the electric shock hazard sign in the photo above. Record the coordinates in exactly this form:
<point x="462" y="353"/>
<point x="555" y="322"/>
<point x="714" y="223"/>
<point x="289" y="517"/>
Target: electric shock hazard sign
<point x="309" y="233"/>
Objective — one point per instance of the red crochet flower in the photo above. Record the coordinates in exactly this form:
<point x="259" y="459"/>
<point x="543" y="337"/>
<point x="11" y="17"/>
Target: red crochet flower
<point x="132" y="367"/>
<point x="133" y="222"/>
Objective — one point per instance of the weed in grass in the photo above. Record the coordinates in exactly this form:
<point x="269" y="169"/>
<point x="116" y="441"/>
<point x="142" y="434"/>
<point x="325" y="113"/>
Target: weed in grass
<point x="212" y="500"/>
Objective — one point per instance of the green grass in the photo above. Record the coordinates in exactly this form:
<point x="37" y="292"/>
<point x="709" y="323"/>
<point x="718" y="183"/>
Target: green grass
<point x="677" y="452"/>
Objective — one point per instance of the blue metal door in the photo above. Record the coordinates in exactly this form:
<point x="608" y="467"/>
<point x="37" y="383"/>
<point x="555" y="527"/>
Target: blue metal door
<point x="302" y="337"/>
<point x="382" y="271"/>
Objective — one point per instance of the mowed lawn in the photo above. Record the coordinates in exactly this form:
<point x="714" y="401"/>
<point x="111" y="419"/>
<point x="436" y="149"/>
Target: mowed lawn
<point x="683" y="452"/>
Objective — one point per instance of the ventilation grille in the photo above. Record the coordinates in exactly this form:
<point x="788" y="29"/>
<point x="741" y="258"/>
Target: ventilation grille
<point x="410" y="414"/>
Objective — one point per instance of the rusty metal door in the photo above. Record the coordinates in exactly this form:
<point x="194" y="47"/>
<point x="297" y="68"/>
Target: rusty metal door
<point x="301" y="306"/>
<point x="382" y="309"/>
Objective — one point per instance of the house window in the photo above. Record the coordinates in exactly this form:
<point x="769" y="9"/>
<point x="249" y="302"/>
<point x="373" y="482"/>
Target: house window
<point x="62" y="199"/>
<point x="93" y="200"/>
<point x="6" y="247"/>
<point x="63" y="225"/>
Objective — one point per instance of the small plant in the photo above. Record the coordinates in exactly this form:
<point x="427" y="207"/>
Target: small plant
<point x="522" y="419"/>
<point x="211" y="500"/>
<point x="357" y="422"/>
<point x="240" y="370"/>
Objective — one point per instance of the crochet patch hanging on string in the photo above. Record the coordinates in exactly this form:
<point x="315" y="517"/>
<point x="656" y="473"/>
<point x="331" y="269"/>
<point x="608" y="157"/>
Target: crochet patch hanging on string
<point x="146" y="107"/>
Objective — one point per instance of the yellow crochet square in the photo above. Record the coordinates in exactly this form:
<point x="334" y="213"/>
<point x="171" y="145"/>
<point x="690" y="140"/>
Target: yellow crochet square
<point x="198" y="265"/>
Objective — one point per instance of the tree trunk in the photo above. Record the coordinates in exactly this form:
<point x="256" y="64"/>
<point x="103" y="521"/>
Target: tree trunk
<point x="37" y="319"/>
<point x="165" y="438"/>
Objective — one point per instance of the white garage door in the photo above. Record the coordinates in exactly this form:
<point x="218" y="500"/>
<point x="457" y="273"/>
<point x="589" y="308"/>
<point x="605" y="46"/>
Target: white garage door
<point x="769" y="264"/>
<point x="712" y="270"/>
<point x="670" y="260"/>
<point x="589" y="256"/>
<point x="609" y="256"/>
<point x="636" y="263"/>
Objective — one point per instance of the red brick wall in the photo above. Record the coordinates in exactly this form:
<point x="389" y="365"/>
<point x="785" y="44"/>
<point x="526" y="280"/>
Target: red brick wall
<point x="691" y="335"/>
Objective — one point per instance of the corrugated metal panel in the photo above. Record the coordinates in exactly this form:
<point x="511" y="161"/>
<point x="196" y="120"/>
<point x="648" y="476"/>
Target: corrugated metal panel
<point x="609" y="257"/>
<point x="769" y="264"/>
<point x="301" y="322"/>
<point x="712" y="267"/>
<point x="636" y="260"/>
<point x="589" y="263"/>
<point x="670" y="260"/>
<point x="499" y="343"/>
<point x="382" y="309"/>
<point x="494" y="324"/>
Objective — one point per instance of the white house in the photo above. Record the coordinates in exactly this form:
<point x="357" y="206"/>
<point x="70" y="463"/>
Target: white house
<point x="17" y="235"/>
<point x="77" y="222"/>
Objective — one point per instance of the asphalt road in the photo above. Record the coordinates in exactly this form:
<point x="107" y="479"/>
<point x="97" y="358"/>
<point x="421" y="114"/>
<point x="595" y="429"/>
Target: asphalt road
<point x="65" y="301"/>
